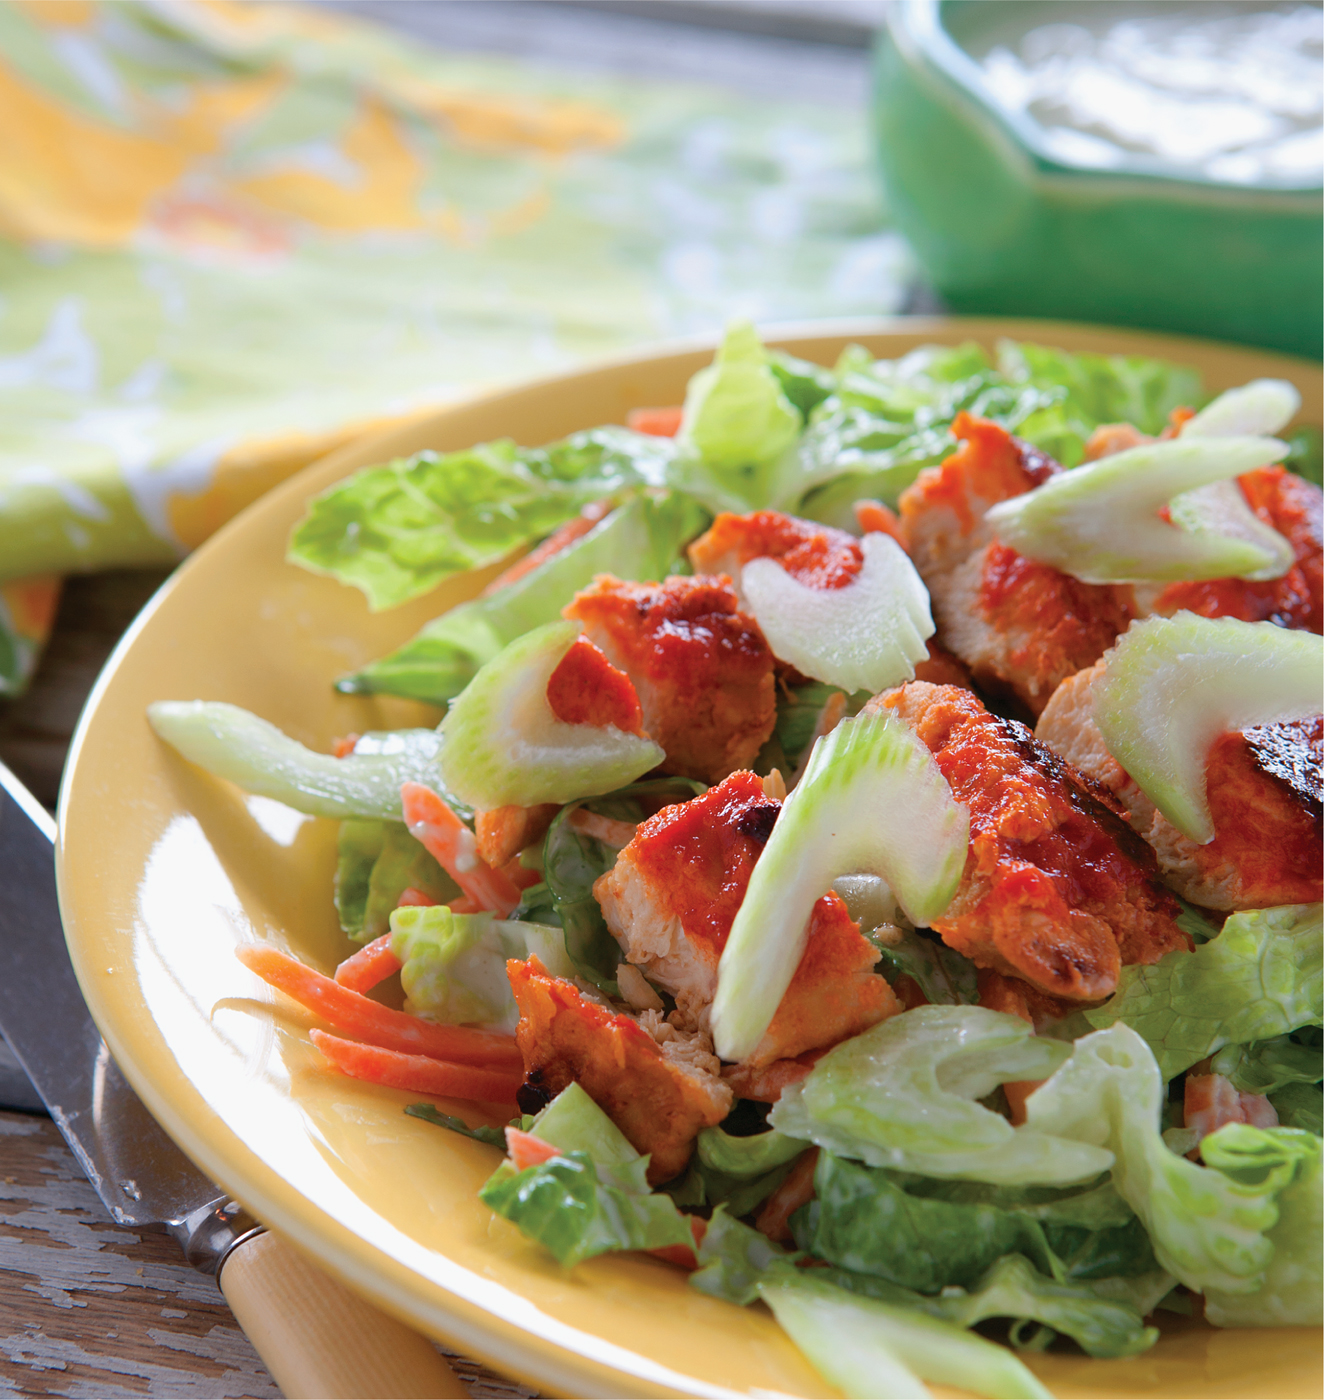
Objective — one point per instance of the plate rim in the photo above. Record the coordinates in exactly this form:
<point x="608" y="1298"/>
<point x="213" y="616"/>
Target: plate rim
<point x="573" y="1362"/>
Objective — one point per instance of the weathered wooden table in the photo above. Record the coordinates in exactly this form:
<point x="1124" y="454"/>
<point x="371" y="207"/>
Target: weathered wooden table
<point x="88" y="1308"/>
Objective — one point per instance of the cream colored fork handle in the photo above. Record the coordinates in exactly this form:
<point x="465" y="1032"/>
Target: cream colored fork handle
<point x="322" y="1342"/>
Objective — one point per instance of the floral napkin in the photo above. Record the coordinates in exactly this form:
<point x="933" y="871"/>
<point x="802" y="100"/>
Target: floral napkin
<point x="234" y="236"/>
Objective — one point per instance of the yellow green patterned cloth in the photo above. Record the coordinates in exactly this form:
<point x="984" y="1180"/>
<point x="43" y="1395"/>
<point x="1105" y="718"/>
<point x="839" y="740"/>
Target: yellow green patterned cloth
<point x="233" y="236"/>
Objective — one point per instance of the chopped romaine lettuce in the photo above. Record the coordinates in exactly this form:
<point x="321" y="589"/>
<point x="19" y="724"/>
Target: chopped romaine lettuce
<point x="1172" y="685"/>
<point x="1103" y="1316"/>
<point x="398" y="530"/>
<point x="929" y="1234"/>
<point x="455" y="964"/>
<point x="805" y="384"/>
<point x="1292" y="1294"/>
<point x="505" y="746"/>
<point x="741" y="1172"/>
<point x="944" y="976"/>
<point x="566" y="1206"/>
<point x="1099" y="389"/>
<point x="736" y="428"/>
<point x="904" y="1095"/>
<point x="872" y="1349"/>
<point x="798" y="709"/>
<point x="1300" y="1106"/>
<point x="1207" y="1229"/>
<point x="255" y="755"/>
<point x="639" y="540"/>
<point x="863" y="1220"/>
<point x="1266" y="1066"/>
<point x="872" y="799"/>
<point x="733" y="1258"/>
<point x="1262" y="976"/>
<point x="376" y="862"/>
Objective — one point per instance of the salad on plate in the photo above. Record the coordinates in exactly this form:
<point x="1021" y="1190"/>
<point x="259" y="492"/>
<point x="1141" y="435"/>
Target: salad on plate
<point x="871" y="855"/>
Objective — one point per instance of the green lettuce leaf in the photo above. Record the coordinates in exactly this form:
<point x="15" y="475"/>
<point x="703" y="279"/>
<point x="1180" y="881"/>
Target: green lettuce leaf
<point x="376" y="862"/>
<point x="870" y="1348"/>
<point x="573" y="1122"/>
<point x="888" y="419"/>
<point x="904" y="1095"/>
<point x="929" y="1234"/>
<point x="430" y="1113"/>
<point x="1207" y="1229"/>
<point x="1101" y="1324"/>
<point x="741" y="1172"/>
<point x="565" y="1206"/>
<point x="944" y="976"/>
<point x="1300" y="1106"/>
<point x="1292" y="1294"/>
<point x="638" y="540"/>
<point x="1266" y="1066"/>
<point x="397" y="530"/>
<point x="455" y="964"/>
<point x="1098" y="389"/>
<point x="736" y="427"/>
<point x="1261" y="977"/>
<point x="803" y="383"/>
<point x="733" y="1258"/>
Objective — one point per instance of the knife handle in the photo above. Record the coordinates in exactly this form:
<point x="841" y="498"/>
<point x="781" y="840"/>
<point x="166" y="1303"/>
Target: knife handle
<point x="319" y="1340"/>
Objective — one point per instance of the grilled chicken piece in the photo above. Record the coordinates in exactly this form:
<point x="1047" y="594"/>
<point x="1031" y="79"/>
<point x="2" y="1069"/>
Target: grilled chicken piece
<point x="1264" y="789"/>
<point x="1057" y="889"/>
<point x="1019" y="626"/>
<point x="819" y="556"/>
<point x="673" y="894"/>
<point x="659" y="1089"/>
<point x="702" y="670"/>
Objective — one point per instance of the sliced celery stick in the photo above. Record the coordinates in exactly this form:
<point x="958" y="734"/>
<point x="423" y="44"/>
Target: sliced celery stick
<point x="872" y="1349"/>
<point x="505" y="746"/>
<point x="1100" y="522"/>
<point x="248" y="751"/>
<point x="871" y="800"/>
<point x="867" y="635"/>
<point x="1258" y="409"/>
<point x="1172" y="685"/>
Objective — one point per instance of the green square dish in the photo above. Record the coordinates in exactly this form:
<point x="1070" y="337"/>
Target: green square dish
<point x="1002" y="223"/>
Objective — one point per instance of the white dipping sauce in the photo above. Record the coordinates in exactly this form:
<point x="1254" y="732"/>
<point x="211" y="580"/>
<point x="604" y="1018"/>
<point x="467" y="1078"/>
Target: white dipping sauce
<point x="1228" y="91"/>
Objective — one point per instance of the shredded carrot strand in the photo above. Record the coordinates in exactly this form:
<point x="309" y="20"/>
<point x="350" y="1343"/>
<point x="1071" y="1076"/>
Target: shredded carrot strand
<point x="411" y="897"/>
<point x="455" y="849"/>
<point x="876" y="518"/>
<point x="527" y="1149"/>
<point x="795" y="1190"/>
<point x="656" y="422"/>
<point x="357" y="1015"/>
<point x="464" y="905"/>
<point x="373" y="963"/>
<point x="417" y="1073"/>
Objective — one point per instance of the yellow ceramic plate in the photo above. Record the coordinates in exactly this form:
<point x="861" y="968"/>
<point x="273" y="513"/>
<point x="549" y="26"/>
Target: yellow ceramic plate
<point x="163" y="871"/>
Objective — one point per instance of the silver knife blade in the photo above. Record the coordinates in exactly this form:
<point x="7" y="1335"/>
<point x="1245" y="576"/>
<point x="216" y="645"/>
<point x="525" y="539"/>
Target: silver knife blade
<point x="139" y="1173"/>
